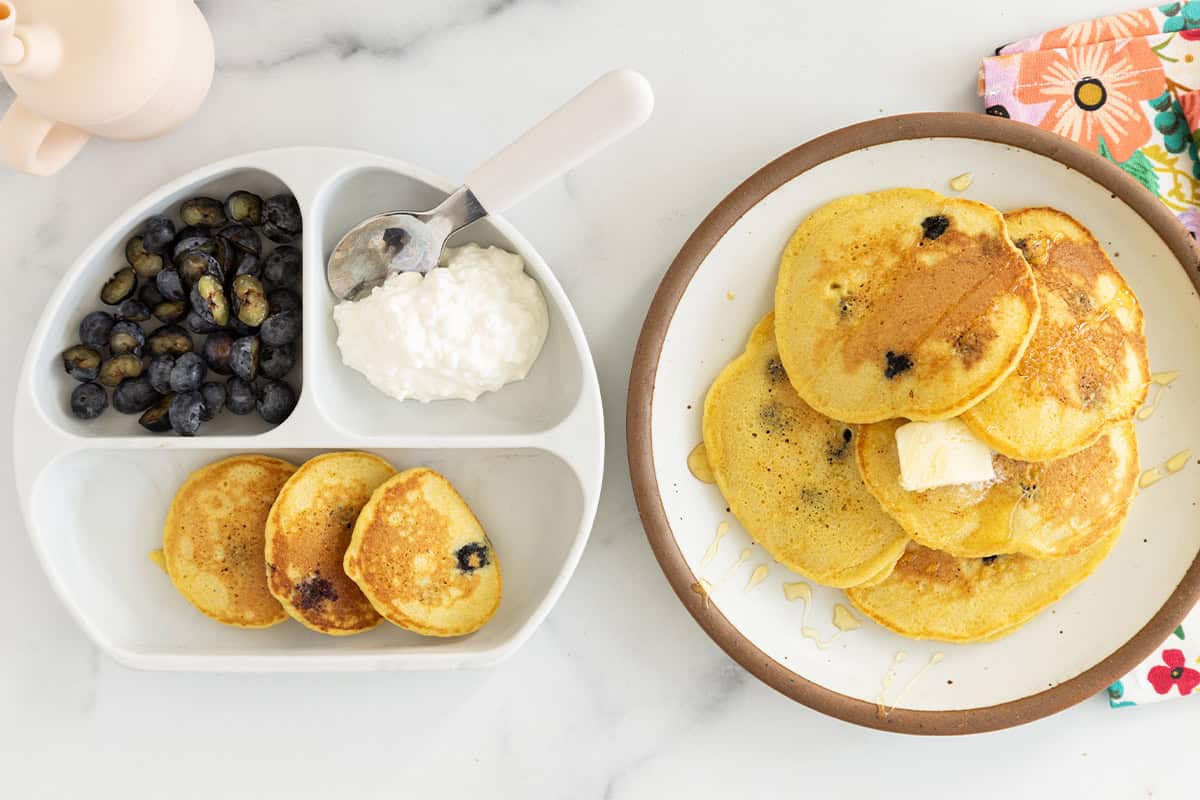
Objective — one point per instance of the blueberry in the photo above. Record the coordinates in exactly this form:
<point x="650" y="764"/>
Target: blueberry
<point x="249" y="300"/>
<point x="82" y="362"/>
<point x="242" y="238"/>
<point x="197" y="324"/>
<point x="134" y="395"/>
<point x="150" y="295"/>
<point x="169" y="339"/>
<point x="217" y="349"/>
<point x="276" y="401"/>
<point x="472" y="556"/>
<point x="897" y="364"/>
<point x="209" y="301"/>
<point x="133" y="310"/>
<point x="280" y="329"/>
<point x="933" y="227"/>
<point x="248" y="264"/>
<point x="95" y="328"/>
<point x="88" y="401"/>
<point x="214" y="399"/>
<point x="281" y="218"/>
<point x="118" y="368"/>
<point x="283" y="300"/>
<point x="159" y="372"/>
<point x="243" y="206"/>
<point x="193" y="237"/>
<point x="276" y="362"/>
<point x="195" y="264"/>
<point x="144" y="262"/>
<point x="186" y="413"/>
<point x="243" y="357"/>
<point x="170" y="285"/>
<point x="170" y="311"/>
<point x="158" y="234"/>
<point x="188" y="373"/>
<point x="240" y="328"/>
<point x="282" y="266"/>
<point x="126" y="337"/>
<point x="157" y="418"/>
<point x="239" y="396"/>
<point x="120" y="286"/>
<point x="202" y="211"/>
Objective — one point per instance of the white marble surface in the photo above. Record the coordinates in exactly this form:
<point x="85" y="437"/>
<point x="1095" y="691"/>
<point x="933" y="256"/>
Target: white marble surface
<point x="619" y="694"/>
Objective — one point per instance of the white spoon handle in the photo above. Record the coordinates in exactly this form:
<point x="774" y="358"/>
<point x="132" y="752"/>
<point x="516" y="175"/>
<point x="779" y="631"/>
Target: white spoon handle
<point x="614" y="105"/>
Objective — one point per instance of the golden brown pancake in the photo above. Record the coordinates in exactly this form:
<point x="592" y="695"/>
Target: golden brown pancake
<point x="933" y="595"/>
<point x="788" y="473"/>
<point x="213" y="539"/>
<point x="308" y="532"/>
<point x="422" y="557"/>
<point x="1046" y="509"/>
<point x="1086" y="366"/>
<point x="902" y="303"/>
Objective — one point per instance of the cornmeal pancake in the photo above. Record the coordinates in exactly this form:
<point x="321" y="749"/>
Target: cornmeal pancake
<point x="213" y="539"/>
<point x="1043" y="509"/>
<point x="1086" y="366"/>
<point x="902" y="303"/>
<point x="933" y="595"/>
<point x="308" y="532"/>
<point x="423" y="559"/>
<point x="788" y="473"/>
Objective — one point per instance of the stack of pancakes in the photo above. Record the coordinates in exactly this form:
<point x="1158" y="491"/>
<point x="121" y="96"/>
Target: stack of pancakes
<point x="338" y="544"/>
<point x="907" y="305"/>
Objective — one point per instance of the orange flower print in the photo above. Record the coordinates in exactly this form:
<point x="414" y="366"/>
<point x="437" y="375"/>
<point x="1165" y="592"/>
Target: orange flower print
<point x="1094" y="91"/>
<point x="1117" y="26"/>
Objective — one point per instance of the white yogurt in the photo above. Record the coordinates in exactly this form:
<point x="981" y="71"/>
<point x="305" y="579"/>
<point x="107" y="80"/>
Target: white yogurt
<point x="470" y="326"/>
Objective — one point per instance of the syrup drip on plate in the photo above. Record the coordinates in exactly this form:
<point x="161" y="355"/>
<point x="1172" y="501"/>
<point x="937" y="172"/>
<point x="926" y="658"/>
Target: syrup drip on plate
<point x="843" y="619"/>
<point x="933" y="661"/>
<point x="733" y="568"/>
<point x="715" y="545"/>
<point x="157" y="557"/>
<point x="697" y="462"/>
<point x="1169" y="467"/>
<point x="702" y="588"/>
<point x="1161" y="380"/>
<point x="798" y="591"/>
<point x="758" y="576"/>
<point x="885" y="684"/>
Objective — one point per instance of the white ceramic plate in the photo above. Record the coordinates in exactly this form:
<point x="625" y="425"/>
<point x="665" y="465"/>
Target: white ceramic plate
<point x="723" y="282"/>
<point x="528" y="459"/>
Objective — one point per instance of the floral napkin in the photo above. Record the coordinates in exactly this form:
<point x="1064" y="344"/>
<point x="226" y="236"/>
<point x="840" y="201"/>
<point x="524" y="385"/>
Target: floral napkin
<point x="1126" y="86"/>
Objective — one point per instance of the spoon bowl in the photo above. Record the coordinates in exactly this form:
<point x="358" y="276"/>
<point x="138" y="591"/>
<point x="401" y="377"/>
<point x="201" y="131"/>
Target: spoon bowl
<point x="398" y="241"/>
<point x="412" y="241"/>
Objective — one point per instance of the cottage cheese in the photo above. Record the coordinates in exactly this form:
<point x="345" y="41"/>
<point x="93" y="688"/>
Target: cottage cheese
<point x="472" y="325"/>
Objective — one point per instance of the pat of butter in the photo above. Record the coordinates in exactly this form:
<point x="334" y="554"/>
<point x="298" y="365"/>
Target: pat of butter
<point x="941" y="453"/>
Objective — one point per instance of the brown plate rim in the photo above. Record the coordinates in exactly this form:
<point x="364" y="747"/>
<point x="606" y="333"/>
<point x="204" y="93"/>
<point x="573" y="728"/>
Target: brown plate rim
<point x="640" y="403"/>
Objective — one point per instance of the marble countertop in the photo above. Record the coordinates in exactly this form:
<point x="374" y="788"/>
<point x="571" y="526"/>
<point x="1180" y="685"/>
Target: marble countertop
<point x="619" y="694"/>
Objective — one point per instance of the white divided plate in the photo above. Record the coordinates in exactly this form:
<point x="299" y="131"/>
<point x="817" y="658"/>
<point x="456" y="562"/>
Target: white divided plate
<point x="528" y="459"/>
<point x="723" y="282"/>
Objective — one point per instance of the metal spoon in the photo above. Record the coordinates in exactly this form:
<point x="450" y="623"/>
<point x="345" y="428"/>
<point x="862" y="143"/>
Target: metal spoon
<point x="412" y="241"/>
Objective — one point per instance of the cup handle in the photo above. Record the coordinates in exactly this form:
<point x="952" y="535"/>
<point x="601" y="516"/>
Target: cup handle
<point x="33" y="144"/>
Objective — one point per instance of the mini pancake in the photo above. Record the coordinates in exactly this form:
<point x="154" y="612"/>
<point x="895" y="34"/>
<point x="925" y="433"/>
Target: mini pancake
<point x="788" y="473"/>
<point x="933" y="595"/>
<point x="307" y="534"/>
<point x="1045" y="509"/>
<point x="213" y="539"/>
<point x="1086" y="366"/>
<point x="902" y="303"/>
<point x="423" y="559"/>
